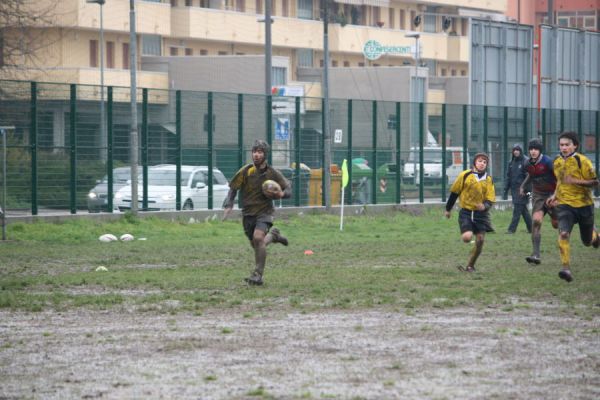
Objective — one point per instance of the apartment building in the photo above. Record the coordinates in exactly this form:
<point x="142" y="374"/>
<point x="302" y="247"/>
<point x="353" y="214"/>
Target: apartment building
<point x="197" y="28"/>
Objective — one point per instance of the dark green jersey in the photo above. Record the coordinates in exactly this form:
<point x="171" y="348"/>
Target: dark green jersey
<point x="248" y="180"/>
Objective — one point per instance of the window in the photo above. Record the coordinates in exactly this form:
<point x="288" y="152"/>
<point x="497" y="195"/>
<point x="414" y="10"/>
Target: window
<point x="219" y="178"/>
<point x="334" y="63"/>
<point x="463" y="72"/>
<point x="377" y="17"/>
<point x="1" y="50"/>
<point x="151" y="45"/>
<point x="94" y="53"/>
<point x="464" y="29"/>
<point x="305" y="57"/>
<point x="392" y="22"/>
<point x="305" y="9"/>
<point x="278" y="76"/>
<point x="189" y="52"/>
<point x="321" y="63"/>
<point x="361" y="64"/>
<point x="429" y="23"/>
<point x="173" y="51"/>
<point x="173" y="3"/>
<point x="346" y="63"/>
<point x="259" y="6"/>
<point x="413" y="15"/>
<point x="203" y="52"/>
<point x="273" y="7"/>
<point x="222" y="53"/>
<point x="444" y="72"/>
<point x="205" y="3"/>
<point x="402" y="18"/>
<point x="125" y="55"/>
<point x="110" y="54"/>
<point x="453" y="72"/>
<point x="188" y="3"/>
<point x="240" y="5"/>
<point x="285" y="8"/>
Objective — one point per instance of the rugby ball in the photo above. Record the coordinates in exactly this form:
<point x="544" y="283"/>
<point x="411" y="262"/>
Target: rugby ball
<point x="126" y="237"/>
<point x="107" y="237"/>
<point x="271" y="189"/>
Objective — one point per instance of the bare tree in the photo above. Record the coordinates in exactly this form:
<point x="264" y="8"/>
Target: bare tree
<point x="24" y="33"/>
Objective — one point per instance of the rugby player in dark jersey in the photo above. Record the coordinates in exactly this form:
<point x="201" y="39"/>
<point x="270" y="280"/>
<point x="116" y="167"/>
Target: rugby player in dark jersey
<point x="540" y="175"/>
<point x="257" y="208"/>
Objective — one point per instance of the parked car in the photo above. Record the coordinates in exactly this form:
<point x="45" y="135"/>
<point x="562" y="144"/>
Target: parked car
<point x="97" y="199"/>
<point x="162" y="189"/>
<point x="432" y="165"/>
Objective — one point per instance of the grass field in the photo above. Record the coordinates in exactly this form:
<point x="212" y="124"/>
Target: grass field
<point x="405" y="260"/>
<point x="379" y="311"/>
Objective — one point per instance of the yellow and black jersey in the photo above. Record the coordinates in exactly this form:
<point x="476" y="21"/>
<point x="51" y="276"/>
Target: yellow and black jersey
<point x="579" y="167"/>
<point x="473" y="189"/>
<point x="248" y="180"/>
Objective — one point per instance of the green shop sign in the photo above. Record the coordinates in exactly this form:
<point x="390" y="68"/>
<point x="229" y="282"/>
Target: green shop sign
<point x="373" y="50"/>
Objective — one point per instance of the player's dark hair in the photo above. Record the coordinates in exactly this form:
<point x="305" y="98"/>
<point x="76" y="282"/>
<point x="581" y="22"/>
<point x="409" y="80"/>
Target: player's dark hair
<point x="536" y="143"/>
<point x="570" y="135"/>
<point x="261" y="145"/>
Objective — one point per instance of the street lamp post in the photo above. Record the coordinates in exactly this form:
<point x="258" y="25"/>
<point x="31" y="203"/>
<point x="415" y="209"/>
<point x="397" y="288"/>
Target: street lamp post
<point x="102" y="116"/>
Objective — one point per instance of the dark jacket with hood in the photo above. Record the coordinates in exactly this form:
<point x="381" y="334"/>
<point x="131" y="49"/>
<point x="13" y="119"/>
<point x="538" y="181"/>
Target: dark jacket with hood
<point x="515" y="175"/>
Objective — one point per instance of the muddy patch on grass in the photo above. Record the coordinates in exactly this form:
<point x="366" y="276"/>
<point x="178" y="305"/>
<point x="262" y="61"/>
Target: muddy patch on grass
<point x="541" y="352"/>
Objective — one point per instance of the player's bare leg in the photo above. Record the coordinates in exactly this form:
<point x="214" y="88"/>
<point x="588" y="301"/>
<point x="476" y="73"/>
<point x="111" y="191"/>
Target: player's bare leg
<point x="565" y="256"/>
<point x="536" y="238"/>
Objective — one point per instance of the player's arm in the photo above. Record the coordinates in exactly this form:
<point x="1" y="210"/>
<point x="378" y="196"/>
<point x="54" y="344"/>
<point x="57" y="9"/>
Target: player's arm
<point x="286" y="187"/>
<point x="525" y="184"/>
<point x="450" y="203"/>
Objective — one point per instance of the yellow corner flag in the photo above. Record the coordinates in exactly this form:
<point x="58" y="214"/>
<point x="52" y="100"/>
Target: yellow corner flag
<point x="344" y="173"/>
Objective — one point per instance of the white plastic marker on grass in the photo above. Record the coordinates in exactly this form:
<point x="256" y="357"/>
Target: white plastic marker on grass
<point x="126" y="237"/>
<point x="101" y="268"/>
<point x="107" y="237"/>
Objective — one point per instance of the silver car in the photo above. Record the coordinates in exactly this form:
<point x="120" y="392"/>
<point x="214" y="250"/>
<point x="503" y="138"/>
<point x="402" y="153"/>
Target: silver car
<point x="162" y="189"/>
<point x="97" y="197"/>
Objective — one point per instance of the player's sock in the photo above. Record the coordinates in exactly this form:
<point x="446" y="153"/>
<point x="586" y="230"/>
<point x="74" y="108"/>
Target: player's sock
<point x="565" y="251"/>
<point x="536" y="239"/>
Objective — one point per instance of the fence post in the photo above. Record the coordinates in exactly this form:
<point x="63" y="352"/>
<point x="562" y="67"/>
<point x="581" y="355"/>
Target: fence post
<point x="322" y="144"/>
<point x="210" y="150"/>
<point x="33" y="142"/>
<point x="145" y="149"/>
<point x="562" y="120"/>
<point x="485" y="129"/>
<point x="525" y="127"/>
<point x="109" y="149"/>
<point x="374" y="183"/>
<point x="505" y="146"/>
<point x="544" y="129"/>
<point x="349" y="154"/>
<point x="580" y="124"/>
<point x="444" y="161"/>
<point x="240" y="130"/>
<point x="398" y="156"/>
<point x="597" y="191"/>
<point x="269" y="122"/>
<point x="178" y="149"/>
<point x="421" y="154"/>
<point x="73" y="152"/>
<point x="465" y="138"/>
<point x="297" y="181"/>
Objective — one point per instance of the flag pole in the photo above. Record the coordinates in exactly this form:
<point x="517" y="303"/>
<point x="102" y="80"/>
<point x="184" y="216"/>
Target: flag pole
<point x="344" y="183"/>
<point x="342" y="211"/>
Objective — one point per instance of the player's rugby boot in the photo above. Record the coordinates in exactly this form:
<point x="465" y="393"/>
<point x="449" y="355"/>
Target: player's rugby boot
<point x="566" y="275"/>
<point x="278" y="237"/>
<point x="254" y="280"/>
<point x="533" y="260"/>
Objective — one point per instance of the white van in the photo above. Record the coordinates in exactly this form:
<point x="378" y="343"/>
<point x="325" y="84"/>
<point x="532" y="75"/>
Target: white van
<point x="432" y="165"/>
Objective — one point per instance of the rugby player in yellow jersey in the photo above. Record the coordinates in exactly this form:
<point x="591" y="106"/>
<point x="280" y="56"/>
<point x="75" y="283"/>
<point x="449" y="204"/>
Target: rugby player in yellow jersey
<point x="475" y="189"/>
<point x="575" y="178"/>
<point x="257" y="208"/>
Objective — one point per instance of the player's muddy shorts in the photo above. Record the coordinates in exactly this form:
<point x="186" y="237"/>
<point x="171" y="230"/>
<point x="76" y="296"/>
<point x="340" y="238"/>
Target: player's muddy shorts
<point x="569" y="216"/>
<point x="262" y="222"/>
<point x="538" y="203"/>
<point x="474" y="221"/>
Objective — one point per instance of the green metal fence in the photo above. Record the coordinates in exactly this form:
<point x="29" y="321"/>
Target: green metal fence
<point x="398" y="152"/>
